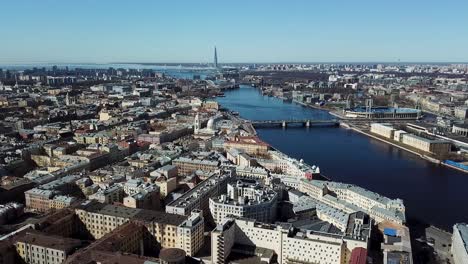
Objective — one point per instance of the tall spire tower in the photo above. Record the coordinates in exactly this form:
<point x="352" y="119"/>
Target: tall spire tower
<point x="215" y="58"/>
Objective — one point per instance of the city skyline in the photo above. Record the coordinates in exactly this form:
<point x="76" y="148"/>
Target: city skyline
<point x="266" y="131"/>
<point x="108" y="32"/>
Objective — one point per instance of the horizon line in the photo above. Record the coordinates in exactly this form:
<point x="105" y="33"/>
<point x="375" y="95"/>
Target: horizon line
<point x="225" y="63"/>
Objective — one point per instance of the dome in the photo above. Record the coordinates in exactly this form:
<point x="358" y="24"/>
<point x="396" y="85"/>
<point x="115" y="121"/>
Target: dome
<point x="210" y="124"/>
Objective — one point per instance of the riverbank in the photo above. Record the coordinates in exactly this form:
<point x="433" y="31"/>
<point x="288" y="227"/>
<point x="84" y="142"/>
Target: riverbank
<point x="422" y="156"/>
<point x="345" y="155"/>
<point x="346" y="125"/>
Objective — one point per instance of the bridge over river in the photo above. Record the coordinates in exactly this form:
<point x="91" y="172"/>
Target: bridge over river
<point x="286" y="122"/>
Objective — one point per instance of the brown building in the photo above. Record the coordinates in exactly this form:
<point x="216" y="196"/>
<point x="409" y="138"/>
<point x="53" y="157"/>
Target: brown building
<point x="187" y="166"/>
<point x="145" y="199"/>
<point x="60" y="223"/>
<point x="249" y="144"/>
<point x="127" y="238"/>
<point x="165" y="229"/>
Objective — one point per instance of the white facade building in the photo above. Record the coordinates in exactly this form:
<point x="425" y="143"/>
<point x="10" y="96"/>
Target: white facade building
<point x="351" y="198"/>
<point x="381" y="129"/>
<point x="245" y="198"/>
<point x="460" y="243"/>
<point x="291" y="245"/>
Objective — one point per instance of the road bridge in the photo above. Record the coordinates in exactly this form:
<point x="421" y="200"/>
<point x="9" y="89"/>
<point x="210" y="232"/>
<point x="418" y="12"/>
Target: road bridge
<point x="286" y="122"/>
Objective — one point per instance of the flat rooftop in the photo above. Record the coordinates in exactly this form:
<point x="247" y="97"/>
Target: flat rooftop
<point x="132" y="213"/>
<point x="386" y="110"/>
<point x="48" y="241"/>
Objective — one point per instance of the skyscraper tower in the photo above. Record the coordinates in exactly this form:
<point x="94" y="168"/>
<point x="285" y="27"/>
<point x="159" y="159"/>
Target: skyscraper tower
<point x="215" y="59"/>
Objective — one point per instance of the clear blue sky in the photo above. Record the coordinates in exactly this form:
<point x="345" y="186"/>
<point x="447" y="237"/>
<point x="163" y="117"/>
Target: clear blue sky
<point x="244" y="31"/>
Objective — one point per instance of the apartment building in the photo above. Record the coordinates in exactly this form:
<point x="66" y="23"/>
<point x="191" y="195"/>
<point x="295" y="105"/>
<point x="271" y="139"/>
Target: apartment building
<point x="166" y="185"/>
<point x="350" y="198"/>
<point x="170" y="230"/>
<point x="249" y="144"/>
<point x="126" y="241"/>
<point x="288" y="166"/>
<point x="38" y="200"/>
<point x="61" y="201"/>
<point x="190" y="233"/>
<point x="111" y="194"/>
<point x="198" y="197"/>
<point x="289" y="244"/>
<point x="186" y="166"/>
<point x="37" y="248"/>
<point x="245" y="198"/>
<point x="147" y="198"/>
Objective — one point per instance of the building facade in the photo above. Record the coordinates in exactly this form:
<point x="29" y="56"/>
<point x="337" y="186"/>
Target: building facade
<point x="186" y="166"/>
<point x="436" y="147"/>
<point x="289" y="244"/>
<point x="38" y="248"/>
<point x="245" y="198"/>
<point x="459" y="248"/>
<point x="351" y="198"/>
<point x="170" y="230"/>
<point x="198" y="197"/>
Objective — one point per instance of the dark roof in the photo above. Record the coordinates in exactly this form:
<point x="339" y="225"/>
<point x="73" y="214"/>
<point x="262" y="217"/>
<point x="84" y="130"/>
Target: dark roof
<point x="48" y="241"/>
<point x="132" y="213"/>
<point x="104" y="257"/>
<point x="159" y="217"/>
<point x="172" y="255"/>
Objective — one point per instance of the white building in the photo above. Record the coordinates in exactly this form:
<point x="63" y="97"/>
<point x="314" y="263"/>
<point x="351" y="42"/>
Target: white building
<point x="245" y="198"/>
<point x="190" y="233"/>
<point x="108" y="195"/>
<point x="291" y="245"/>
<point x="288" y="165"/>
<point x="460" y="243"/>
<point x="351" y="198"/>
<point x="381" y="129"/>
<point x="134" y="186"/>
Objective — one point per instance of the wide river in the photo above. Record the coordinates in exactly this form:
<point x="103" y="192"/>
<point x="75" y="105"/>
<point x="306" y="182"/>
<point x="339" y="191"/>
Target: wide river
<point x="432" y="193"/>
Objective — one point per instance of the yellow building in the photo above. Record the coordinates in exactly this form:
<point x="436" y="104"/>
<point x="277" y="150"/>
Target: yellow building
<point x="250" y="145"/>
<point x="166" y="186"/>
<point x="170" y="230"/>
<point x="37" y="248"/>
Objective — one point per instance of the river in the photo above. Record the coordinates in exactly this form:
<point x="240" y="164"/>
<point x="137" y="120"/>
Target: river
<point x="433" y="194"/>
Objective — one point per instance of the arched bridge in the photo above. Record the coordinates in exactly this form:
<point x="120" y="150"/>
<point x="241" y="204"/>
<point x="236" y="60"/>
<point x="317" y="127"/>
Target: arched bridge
<point x="286" y="122"/>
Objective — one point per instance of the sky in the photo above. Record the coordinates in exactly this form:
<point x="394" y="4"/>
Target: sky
<point x="105" y="31"/>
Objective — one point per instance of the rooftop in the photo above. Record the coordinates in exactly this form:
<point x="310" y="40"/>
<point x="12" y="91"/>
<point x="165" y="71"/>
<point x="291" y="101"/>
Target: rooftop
<point x="48" y="241"/>
<point x="463" y="231"/>
<point x="201" y="188"/>
<point x="132" y="213"/>
<point x="386" y="110"/>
